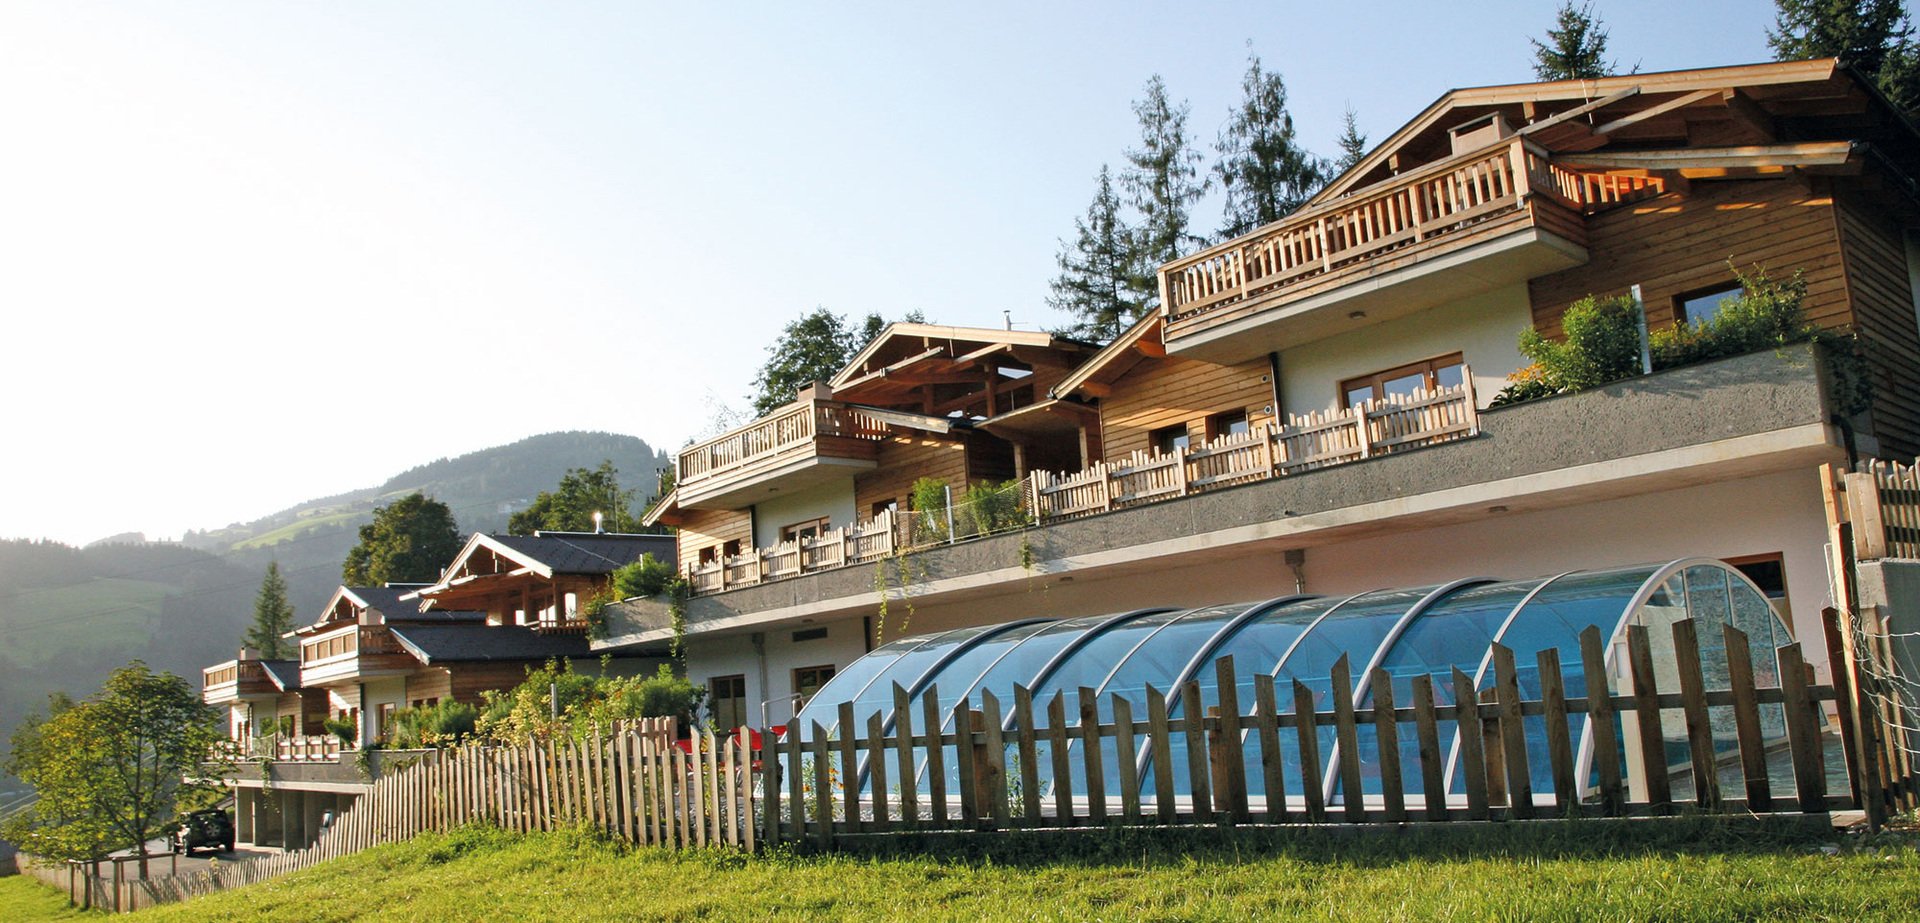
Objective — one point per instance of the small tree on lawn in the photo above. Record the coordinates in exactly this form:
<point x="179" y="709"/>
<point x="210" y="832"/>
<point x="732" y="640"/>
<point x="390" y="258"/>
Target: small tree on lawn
<point x="109" y="770"/>
<point x="272" y="616"/>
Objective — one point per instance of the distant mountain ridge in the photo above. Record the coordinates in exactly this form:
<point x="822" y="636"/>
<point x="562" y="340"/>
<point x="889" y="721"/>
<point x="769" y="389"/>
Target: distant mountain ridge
<point x="75" y="614"/>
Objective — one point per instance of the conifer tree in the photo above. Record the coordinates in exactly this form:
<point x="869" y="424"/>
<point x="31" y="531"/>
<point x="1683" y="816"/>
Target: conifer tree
<point x="1265" y="172"/>
<point x="1098" y="270"/>
<point x="1162" y="181"/>
<point x="272" y="616"/>
<point x="1577" y="49"/>
<point x="1874" y="36"/>
<point x="1353" y="144"/>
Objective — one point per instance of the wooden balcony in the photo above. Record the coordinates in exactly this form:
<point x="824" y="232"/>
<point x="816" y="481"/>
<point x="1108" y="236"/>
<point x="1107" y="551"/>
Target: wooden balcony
<point x="1318" y="440"/>
<point x="802" y="444"/>
<point x="236" y="680"/>
<point x="859" y="543"/>
<point x="352" y="653"/>
<point x="1472" y="223"/>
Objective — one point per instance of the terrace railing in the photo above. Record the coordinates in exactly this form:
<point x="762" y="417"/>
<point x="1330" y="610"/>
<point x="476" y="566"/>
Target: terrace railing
<point x="1436" y="201"/>
<point x="1303" y="443"/>
<point x="858" y="543"/>
<point x="781" y="432"/>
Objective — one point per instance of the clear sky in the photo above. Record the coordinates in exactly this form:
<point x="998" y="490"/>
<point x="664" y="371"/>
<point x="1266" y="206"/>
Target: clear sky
<point x="253" y="253"/>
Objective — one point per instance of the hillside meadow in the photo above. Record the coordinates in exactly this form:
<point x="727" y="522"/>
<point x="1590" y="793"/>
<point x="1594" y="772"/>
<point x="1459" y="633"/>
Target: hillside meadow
<point x="1681" y="870"/>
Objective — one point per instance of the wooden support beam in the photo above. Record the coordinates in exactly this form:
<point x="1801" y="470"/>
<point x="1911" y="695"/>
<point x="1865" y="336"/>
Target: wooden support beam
<point x="1748" y="113"/>
<point x="1578" y="111"/>
<point x="1679" y="102"/>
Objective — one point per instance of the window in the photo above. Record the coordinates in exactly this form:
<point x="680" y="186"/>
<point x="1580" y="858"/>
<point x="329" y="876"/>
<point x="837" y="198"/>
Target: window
<point x="1405" y="380"/>
<point x="800" y="530"/>
<point x="1769" y="573"/>
<point x="807" y="681"/>
<point x="884" y="507"/>
<point x="1700" y="307"/>
<point x="385" y="726"/>
<point x="727" y="702"/>
<point x="1228" y="423"/>
<point x="1168" y="438"/>
<point x="730" y="549"/>
<point x="709" y="554"/>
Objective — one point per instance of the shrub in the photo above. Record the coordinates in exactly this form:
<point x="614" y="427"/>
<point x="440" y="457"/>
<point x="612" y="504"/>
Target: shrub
<point x="987" y="508"/>
<point x="928" y="503"/>
<point x="648" y="576"/>
<point x="443" y="724"/>
<point x="585" y="703"/>
<point x="1766" y="315"/>
<point x="1602" y="345"/>
<point x="343" y="728"/>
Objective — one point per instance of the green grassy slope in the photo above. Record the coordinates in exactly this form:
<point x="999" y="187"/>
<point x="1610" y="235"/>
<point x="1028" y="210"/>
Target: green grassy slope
<point x="106" y="615"/>
<point x="1555" y="872"/>
<point x="24" y="900"/>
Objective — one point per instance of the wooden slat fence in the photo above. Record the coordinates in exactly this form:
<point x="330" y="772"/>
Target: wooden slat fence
<point x="1304" y="443"/>
<point x="1713" y="734"/>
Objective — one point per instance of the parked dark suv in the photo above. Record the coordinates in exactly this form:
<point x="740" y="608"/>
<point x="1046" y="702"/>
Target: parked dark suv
<point x="203" y="828"/>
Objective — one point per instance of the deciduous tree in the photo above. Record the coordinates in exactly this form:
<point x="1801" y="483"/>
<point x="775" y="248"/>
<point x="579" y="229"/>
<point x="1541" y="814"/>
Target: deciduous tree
<point x="109" y="770"/>
<point x="813" y="348"/>
<point x="581" y="493"/>
<point x="1099" y="273"/>
<point x="1264" y="171"/>
<point x="272" y="616"/>
<point x="408" y="541"/>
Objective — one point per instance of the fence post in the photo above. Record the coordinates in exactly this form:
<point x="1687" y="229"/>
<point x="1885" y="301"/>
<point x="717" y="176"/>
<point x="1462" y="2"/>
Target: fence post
<point x="949" y="492"/>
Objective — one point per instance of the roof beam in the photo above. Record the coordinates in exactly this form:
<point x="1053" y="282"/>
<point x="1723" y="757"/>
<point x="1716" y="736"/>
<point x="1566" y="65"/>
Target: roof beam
<point x="1679" y="102"/>
<point x="1804" y="154"/>
<point x="1579" y="111"/>
<point x="1748" y="113"/>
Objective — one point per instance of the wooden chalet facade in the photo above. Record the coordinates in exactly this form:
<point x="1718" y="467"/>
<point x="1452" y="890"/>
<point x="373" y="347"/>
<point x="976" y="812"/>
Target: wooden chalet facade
<point x="1311" y="408"/>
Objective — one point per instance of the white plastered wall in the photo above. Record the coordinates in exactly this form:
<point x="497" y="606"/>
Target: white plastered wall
<point x="378" y="692"/>
<point x="834" y="501"/>
<point x="1773" y="513"/>
<point x="1484" y="329"/>
<point x="770" y="680"/>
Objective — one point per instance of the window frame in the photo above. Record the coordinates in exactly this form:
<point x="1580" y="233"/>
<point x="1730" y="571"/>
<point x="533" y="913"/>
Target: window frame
<point x="1725" y="290"/>
<point x="1429" y="368"/>
<point x="820" y="525"/>
<point x="714" y="698"/>
<point x="823" y="673"/>
<point x="1218" y="425"/>
<point x="1166" y="434"/>
<point x="1782" y="606"/>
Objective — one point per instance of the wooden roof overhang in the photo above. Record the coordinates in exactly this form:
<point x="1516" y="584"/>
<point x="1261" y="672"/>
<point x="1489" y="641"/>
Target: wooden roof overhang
<point x="482" y="560"/>
<point x="1051" y="417"/>
<point x="1096" y="376"/>
<point x="939" y="370"/>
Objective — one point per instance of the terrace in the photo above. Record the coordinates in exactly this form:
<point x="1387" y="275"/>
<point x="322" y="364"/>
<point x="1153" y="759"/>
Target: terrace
<point x="810" y="441"/>
<point x="350" y="653"/>
<point x="1493" y="216"/>
<point x="236" y="680"/>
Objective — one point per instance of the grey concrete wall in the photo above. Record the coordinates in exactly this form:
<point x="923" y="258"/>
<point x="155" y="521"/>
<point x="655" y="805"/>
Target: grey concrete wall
<point x="292" y="774"/>
<point x="1740" y="396"/>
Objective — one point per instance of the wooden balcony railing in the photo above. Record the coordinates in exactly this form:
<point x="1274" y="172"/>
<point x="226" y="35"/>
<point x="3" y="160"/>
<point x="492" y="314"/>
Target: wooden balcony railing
<point x="859" y="543"/>
<point x="787" y="429"/>
<point x="1435" y="201"/>
<point x="364" y="641"/>
<point x="306" y="748"/>
<point x="1316" y="440"/>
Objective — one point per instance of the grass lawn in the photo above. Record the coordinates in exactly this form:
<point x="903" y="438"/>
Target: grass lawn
<point x="1683" y="871"/>
<point x="109" y="612"/>
<point x="24" y="899"/>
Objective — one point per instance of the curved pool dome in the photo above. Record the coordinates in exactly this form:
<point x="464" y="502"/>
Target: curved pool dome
<point x="1405" y="632"/>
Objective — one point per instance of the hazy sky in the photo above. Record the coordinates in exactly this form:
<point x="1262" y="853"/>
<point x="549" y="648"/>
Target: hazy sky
<point x="254" y="253"/>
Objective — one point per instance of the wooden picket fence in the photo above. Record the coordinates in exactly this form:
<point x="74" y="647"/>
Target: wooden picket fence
<point x="1294" y="755"/>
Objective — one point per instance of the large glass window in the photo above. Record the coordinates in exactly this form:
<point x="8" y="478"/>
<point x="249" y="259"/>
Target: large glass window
<point x="1701" y="307"/>
<point x="727" y="702"/>
<point x="1404" y="381"/>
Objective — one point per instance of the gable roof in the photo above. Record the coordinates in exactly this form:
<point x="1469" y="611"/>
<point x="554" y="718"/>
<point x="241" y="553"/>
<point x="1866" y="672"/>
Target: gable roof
<point x="547" y="554"/>
<point x="896" y="344"/>
<point x="284" y="674"/>
<point x="1140" y="341"/>
<point x="1819" y="96"/>
<point x="439" y="644"/>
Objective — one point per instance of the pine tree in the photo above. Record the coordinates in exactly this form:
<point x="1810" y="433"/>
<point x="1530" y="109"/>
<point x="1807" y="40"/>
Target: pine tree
<point x="1353" y="144"/>
<point x="1098" y="270"/>
<point x="1162" y="182"/>
<point x="1264" y="170"/>
<point x="1577" y="50"/>
<point x="272" y="616"/>
<point x="1874" y="36"/>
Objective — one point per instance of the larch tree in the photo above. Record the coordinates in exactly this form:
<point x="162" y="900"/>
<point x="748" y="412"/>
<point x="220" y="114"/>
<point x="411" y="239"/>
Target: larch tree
<point x="1264" y="171"/>
<point x="109" y="770"/>
<point x="1098" y="270"/>
<point x="272" y="617"/>
<point x="408" y="541"/>
<point x="1162" y="181"/>
<point x="1576" y="47"/>
<point x="1873" y="36"/>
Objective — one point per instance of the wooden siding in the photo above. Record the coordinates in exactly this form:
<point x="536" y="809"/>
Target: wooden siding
<point x="903" y="460"/>
<point x="1679" y="244"/>
<point x="706" y="528"/>
<point x="989" y="459"/>
<point x="1163" y="392"/>
<point x="1881" y="293"/>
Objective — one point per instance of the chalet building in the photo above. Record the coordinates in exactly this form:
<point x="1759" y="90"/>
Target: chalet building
<point x="505" y="605"/>
<point x="1311" y="408"/>
<point x="262" y="696"/>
